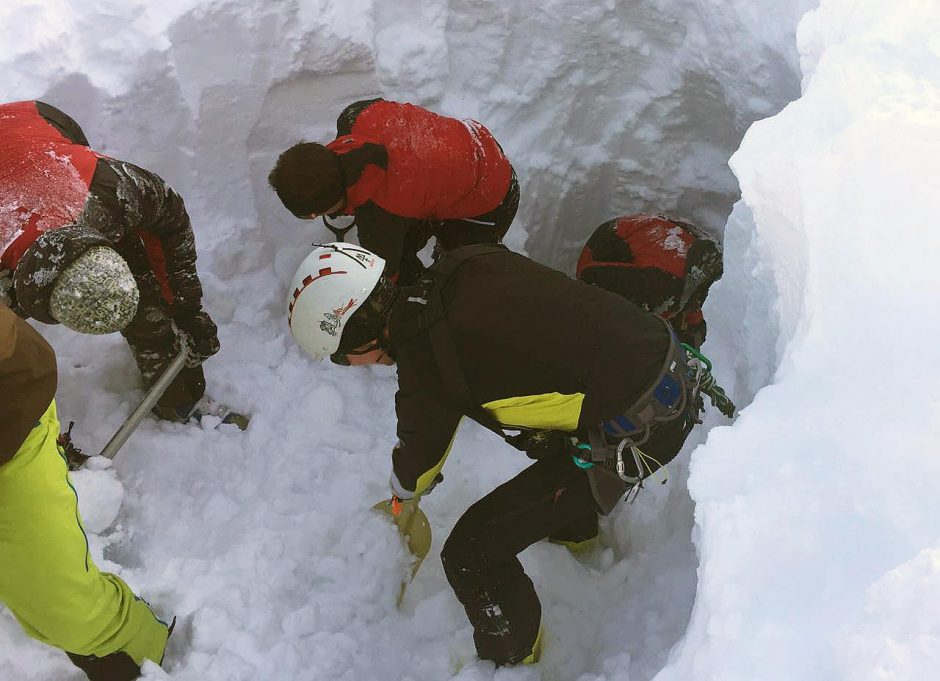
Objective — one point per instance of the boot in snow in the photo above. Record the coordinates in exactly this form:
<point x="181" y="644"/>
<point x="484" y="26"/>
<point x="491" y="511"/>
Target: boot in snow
<point x="194" y="413"/>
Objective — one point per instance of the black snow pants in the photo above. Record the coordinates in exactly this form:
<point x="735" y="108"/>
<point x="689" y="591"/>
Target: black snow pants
<point x="154" y="343"/>
<point x="488" y="228"/>
<point x="480" y="561"/>
<point x="550" y="499"/>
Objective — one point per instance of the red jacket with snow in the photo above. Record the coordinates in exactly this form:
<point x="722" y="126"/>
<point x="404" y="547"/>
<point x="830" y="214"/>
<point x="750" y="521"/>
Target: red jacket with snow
<point x="58" y="198"/>
<point x="663" y="265"/>
<point x="55" y="189"/>
<point x="44" y="179"/>
<point x="415" y="163"/>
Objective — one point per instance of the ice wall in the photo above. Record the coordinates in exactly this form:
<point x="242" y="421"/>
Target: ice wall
<point x="818" y="518"/>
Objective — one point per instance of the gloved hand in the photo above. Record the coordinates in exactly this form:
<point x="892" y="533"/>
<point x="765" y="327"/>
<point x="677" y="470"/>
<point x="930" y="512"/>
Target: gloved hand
<point x="542" y="444"/>
<point x="199" y="335"/>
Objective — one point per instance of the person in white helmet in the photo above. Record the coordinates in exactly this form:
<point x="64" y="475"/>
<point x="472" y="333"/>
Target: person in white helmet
<point x="101" y="245"/>
<point x="339" y="300"/>
<point x="489" y="334"/>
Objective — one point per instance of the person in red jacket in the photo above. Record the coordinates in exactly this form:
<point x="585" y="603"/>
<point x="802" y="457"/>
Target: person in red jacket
<point x="100" y="245"/>
<point x="406" y="174"/>
<point x="664" y="265"/>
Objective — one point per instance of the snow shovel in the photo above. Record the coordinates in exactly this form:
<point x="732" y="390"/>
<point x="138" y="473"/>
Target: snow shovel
<point x="76" y="458"/>
<point x="414" y="526"/>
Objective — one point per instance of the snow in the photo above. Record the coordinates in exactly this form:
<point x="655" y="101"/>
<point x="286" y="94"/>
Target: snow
<point x="800" y="542"/>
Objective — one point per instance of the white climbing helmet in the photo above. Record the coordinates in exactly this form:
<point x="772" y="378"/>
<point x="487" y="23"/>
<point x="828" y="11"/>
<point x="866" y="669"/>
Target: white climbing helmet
<point x="96" y="293"/>
<point x="328" y="287"/>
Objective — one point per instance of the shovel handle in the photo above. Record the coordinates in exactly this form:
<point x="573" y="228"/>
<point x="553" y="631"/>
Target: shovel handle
<point x="150" y="399"/>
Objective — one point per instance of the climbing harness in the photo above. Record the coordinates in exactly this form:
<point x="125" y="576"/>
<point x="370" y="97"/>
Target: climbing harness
<point x="613" y="444"/>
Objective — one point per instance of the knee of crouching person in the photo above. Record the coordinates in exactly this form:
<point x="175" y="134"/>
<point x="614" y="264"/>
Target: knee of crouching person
<point x="457" y="558"/>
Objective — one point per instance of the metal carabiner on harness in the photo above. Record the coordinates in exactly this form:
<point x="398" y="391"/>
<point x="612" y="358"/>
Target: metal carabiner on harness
<point x="621" y="465"/>
<point x="704" y="382"/>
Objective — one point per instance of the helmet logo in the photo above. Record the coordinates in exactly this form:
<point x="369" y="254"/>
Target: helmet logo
<point x="364" y="258"/>
<point x="333" y="319"/>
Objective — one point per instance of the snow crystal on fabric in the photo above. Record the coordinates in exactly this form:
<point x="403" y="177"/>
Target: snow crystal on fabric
<point x="38" y="194"/>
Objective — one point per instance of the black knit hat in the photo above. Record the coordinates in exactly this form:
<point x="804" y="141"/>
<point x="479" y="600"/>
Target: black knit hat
<point x="308" y="179"/>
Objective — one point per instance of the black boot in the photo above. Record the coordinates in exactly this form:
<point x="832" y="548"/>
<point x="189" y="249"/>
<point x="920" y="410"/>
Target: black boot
<point x="117" y="666"/>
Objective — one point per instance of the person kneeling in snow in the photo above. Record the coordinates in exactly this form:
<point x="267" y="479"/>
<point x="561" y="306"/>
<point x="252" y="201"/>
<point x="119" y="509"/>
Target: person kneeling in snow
<point x="406" y="174"/>
<point x="492" y="335"/>
<point x="47" y="577"/>
<point x="664" y="265"/>
<point x="101" y="245"/>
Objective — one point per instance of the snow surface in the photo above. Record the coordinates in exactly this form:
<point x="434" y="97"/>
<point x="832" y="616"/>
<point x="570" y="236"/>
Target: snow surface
<point x="805" y="542"/>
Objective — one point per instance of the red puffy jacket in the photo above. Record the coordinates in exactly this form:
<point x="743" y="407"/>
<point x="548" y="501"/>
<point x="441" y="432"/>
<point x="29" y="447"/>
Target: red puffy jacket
<point x="44" y="179"/>
<point x="663" y="265"/>
<point x="432" y="166"/>
<point x="59" y="198"/>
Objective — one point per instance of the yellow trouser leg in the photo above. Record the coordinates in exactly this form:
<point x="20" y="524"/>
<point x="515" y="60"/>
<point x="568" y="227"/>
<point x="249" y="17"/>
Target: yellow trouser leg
<point x="47" y="577"/>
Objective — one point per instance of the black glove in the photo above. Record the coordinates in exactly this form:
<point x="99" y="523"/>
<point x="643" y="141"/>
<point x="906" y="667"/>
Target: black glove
<point x="719" y="399"/>
<point x="199" y="336"/>
<point x="541" y="444"/>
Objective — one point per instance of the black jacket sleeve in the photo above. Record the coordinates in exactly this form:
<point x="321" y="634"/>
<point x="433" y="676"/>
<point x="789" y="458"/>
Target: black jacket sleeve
<point x="151" y="208"/>
<point x="395" y="238"/>
<point x="426" y="430"/>
<point x="147" y="209"/>
<point x="347" y="118"/>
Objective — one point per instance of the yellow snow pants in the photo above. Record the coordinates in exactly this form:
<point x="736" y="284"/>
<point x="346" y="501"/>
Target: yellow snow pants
<point x="47" y="577"/>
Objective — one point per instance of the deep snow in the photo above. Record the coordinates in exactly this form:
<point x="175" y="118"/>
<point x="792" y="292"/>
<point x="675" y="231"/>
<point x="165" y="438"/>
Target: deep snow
<point x="804" y="544"/>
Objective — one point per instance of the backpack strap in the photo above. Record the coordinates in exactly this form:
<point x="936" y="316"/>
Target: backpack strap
<point x="432" y="320"/>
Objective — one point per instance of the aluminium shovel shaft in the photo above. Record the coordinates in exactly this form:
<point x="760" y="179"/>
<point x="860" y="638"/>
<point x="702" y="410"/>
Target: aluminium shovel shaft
<point x="150" y="399"/>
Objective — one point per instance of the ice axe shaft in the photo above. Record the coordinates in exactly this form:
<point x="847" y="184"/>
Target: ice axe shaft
<point x="150" y="399"/>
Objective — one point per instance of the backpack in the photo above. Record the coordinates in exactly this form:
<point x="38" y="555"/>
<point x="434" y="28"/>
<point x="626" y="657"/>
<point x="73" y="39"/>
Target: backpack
<point x="663" y="265"/>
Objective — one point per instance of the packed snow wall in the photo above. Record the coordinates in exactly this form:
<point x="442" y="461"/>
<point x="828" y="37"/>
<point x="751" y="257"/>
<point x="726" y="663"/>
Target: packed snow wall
<point x="817" y="515"/>
<point x="605" y="108"/>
